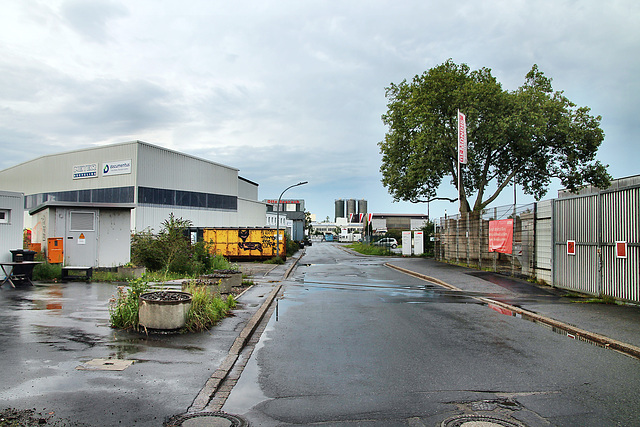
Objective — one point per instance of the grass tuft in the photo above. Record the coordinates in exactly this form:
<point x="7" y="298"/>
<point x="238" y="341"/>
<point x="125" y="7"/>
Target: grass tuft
<point x="123" y="307"/>
<point x="206" y="308"/>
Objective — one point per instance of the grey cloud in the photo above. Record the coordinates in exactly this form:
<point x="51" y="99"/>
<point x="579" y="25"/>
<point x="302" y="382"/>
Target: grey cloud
<point x="90" y="18"/>
<point x="116" y="107"/>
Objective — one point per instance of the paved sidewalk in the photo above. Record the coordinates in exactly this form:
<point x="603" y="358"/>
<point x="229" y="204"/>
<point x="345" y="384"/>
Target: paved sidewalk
<point x="615" y="322"/>
<point x="54" y="334"/>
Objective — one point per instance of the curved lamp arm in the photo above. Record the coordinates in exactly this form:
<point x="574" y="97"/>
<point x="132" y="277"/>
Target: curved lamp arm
<point x="278" y="216"/>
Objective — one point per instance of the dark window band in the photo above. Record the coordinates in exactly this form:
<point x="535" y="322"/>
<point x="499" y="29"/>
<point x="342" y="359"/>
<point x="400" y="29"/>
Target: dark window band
<point x="191" y="199"/>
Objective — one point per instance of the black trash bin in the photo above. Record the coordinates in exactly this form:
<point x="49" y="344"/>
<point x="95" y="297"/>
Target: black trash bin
<point x="22" y="272"/>
<point x="17" y="255"/>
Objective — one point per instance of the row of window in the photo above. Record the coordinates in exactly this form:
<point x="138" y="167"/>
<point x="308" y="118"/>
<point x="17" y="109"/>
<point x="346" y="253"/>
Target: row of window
<point x="94" y="195"/>
<point x="146" y="195"/>
<point x="192" y="199"/>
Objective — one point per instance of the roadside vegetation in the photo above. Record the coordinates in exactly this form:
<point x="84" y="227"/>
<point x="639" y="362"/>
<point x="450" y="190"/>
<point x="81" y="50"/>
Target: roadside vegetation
<point x="123" y="307"/>
<point x="206" y="309"/>
<point x="368" y="249"/>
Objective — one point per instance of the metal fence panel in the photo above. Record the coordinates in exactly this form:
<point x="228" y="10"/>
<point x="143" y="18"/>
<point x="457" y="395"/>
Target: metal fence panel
<point x="621" y="223"/>
<point x="543" y="242"/>
<point x="596" y="222"/>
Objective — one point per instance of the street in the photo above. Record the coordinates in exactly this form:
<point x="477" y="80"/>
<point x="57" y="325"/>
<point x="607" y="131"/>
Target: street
<point x="357" y="343"/>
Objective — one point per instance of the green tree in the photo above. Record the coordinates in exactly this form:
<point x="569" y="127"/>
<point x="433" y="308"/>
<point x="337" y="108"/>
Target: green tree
<point x="527" y="136"/>
<point x="307" y="222"/>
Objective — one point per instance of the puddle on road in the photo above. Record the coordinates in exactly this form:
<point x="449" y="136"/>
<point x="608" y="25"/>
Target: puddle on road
<point x="559" y="331"/>
<point x="247" y="392"/>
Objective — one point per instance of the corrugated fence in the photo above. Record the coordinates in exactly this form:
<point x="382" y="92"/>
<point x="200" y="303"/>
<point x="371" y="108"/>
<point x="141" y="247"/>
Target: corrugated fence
<point x="586" y="243"/>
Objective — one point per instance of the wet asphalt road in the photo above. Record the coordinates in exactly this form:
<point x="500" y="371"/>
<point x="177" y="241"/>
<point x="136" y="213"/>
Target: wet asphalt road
<point x="48" y="330"/>
<point x="356" y="343"/>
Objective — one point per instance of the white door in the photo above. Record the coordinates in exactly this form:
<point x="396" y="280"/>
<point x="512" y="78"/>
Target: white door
<point x="80" y="243"/>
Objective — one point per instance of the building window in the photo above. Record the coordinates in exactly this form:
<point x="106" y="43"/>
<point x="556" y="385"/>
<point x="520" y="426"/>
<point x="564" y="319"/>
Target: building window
<point x="95" y="195"/>
<point x="82" y="221"/>
<point x="4" y="216"/>
<point x="190" y="199"/>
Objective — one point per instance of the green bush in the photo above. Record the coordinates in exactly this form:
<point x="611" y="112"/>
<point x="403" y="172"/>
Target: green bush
<point x="46" y="271"/>
<point x="218" y="262"/>
<point x="171" y="251"/>
<point x="292" y="245"/>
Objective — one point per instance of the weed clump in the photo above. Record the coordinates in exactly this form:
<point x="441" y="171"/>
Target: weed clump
<point x="206" y="308"/>
<point x="123" y="307"/>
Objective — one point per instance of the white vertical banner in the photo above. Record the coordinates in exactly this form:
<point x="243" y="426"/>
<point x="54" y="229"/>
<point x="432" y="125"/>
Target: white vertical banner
<point x="406" y="243"/>
<point x="462" y="138"/>
<point x="418" y="242"/>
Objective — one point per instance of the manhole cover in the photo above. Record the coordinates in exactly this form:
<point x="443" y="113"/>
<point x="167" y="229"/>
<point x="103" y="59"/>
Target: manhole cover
<point x="206" y="419"/>
<point x="479" y="421"/>
<point x="105" y="365"/>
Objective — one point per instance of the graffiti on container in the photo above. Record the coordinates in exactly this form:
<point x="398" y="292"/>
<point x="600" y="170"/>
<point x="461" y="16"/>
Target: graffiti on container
<point x="268" y="241"/>
<point x="248" y="246"/>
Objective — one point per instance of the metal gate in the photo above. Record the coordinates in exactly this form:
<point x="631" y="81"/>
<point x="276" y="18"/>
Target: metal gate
<point x="589" y="234"/>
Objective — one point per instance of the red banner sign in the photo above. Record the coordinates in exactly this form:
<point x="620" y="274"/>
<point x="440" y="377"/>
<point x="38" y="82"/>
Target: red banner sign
<point x="501" y="236"/>
<point x="462" y="138"/>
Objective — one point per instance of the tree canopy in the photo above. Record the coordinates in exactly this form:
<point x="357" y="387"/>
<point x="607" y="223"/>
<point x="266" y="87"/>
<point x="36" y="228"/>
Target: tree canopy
<point x="527" y="136"/>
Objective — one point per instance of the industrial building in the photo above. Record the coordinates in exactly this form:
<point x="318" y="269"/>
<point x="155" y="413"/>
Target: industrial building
<point x="351" y="209"/>
<point x="293" y="210"/>
<point x="382" y="222"/>
<point x="101" y="194"/>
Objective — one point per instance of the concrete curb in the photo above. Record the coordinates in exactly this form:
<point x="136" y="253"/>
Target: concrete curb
<point x="213" y="383"/>
<point x="206" y="393"/>
<point x="624" y="348"/>
<point x="292" y="266"/>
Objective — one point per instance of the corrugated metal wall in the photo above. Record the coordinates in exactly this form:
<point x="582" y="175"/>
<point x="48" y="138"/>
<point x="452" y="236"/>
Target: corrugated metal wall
<point x="596" y="222"/>
<point x="55" y="172"/>
<point x="162" y="168"/>
<point x="621" y="222"/>
<point x="543" y="241"/>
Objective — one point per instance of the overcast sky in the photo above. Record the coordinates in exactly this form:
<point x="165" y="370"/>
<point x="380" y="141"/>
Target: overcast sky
<point x="294" y="90"/>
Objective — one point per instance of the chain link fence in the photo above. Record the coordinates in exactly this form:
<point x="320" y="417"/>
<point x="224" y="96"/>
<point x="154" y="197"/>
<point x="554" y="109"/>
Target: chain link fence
<point x="464" y="239"/>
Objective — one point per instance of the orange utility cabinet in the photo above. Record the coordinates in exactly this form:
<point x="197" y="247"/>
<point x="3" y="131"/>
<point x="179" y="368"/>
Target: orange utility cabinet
<point x="55" y="252"/>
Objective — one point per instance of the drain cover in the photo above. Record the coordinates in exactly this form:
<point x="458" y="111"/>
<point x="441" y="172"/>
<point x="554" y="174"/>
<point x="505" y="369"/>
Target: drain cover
<point x="206" y="419"/>
<point x="105" y="365"/>
<point x="471" y="420"/>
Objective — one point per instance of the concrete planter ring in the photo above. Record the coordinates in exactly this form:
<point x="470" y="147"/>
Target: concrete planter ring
<point x="164" y="310"/>
<point x="236" y="276"/>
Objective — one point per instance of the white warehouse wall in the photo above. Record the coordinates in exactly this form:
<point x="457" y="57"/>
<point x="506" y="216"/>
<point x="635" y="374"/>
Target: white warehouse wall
<point x="11" y="204"/>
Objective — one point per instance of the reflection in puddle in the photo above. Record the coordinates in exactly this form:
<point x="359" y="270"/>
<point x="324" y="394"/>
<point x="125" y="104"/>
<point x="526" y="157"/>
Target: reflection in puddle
<point x="247" y="392"/>
<point x="560" y="331"/>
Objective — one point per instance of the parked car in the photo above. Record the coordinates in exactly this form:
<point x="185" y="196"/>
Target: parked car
<point x="386" y="242"/>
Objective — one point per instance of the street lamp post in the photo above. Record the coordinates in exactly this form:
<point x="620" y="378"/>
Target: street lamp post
<point x="278" y="217"/>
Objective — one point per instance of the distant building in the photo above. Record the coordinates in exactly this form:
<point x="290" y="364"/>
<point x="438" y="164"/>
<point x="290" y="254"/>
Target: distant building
<point x="293" y="210"/>
<point x="382" y="223"/>
<point x="350" y="209"/>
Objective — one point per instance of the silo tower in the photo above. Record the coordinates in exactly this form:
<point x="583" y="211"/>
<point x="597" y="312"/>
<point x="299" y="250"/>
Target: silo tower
<point x="339" y="210"/>
<point x="362" y="206"/>
<point x="351" y="207"/>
